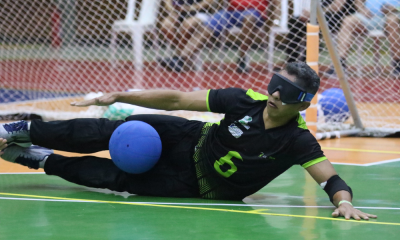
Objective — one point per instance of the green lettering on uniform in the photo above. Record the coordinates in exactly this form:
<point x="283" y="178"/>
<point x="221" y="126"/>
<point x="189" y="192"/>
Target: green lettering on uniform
<point x="227" y="159"/>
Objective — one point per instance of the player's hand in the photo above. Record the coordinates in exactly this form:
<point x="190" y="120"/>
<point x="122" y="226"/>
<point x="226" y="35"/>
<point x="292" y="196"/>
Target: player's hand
<point x="105" y="100"/>
<point x="347" y="211"/>
<point x="3" y="144"/>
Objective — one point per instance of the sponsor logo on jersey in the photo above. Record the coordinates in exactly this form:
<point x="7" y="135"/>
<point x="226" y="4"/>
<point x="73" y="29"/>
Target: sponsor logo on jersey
<point x="262" y="155"/>
<point x="245" y="122"/>
<point x="235" y="131"/>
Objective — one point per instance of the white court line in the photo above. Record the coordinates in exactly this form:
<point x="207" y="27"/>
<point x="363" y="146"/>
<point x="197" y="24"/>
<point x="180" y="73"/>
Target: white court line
<point x="369" y="164"/>
<point x="22" y="173"/>
<point x="191" y="204"/>
<point x="383" y="162"/>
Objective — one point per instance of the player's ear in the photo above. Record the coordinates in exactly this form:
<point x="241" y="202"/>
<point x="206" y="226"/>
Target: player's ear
<point x="303" y="106"/>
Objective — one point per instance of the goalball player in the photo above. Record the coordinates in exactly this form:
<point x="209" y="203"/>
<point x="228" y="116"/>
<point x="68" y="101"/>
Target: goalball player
<point x="260" y="137"/>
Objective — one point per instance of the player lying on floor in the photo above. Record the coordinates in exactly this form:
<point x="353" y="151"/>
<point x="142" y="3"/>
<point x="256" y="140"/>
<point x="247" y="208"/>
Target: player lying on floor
<point x="260" y="137"/>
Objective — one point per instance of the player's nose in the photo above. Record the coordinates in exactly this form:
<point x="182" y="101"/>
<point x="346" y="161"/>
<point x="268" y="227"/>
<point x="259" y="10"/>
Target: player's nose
<point x="276" y="95"/>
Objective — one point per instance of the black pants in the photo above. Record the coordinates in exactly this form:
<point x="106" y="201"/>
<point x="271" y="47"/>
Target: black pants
<point x="173" y="176"/>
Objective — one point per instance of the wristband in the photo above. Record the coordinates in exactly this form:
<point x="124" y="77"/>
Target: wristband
<point x="344" y="201"/>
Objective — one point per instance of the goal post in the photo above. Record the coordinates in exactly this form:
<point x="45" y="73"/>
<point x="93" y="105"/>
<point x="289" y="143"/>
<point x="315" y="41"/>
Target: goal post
<point x="312" y="54"/>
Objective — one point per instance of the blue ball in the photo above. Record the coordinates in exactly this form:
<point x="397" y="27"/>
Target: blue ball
<point x="135" y="147"/>
<point x="334" y="105"/>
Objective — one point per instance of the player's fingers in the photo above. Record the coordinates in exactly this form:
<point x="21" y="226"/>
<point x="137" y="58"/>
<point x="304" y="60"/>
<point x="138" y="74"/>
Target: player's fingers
<point x="356" y="217"/>
<point x="347" y="216"/>
<point x="335" y="213"/>
<point x="85" y="103"/>
<point x="372" y="215"/>
<point x="3" y="143"/>
<point x="363" y="216"/>
<point x="3" y="146"/>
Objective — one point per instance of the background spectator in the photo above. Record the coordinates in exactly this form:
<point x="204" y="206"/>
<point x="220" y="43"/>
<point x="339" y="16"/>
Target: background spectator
<point x="372" y="15"/>
<point x="249" y="15"/>
<point x="184" y="17"/>
<point x="335" y="11"/>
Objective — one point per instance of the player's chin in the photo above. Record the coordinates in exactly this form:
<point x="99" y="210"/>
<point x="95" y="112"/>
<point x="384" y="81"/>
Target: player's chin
<point x="273" y="112"/>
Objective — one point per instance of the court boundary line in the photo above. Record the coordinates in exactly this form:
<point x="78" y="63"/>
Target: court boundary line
<point x="368" y="164"/>
<point x="198" y="204"/>
<point x="16" y="173"/>
<point x="359" y="150"/>
<point x="257" y="211"/>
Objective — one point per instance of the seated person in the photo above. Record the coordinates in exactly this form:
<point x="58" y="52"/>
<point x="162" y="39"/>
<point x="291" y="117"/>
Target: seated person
<point x="249" y="15"/>
<point x="184" y="17"/>
<point x="372" y="15"/>
<point x="335" y="11"/>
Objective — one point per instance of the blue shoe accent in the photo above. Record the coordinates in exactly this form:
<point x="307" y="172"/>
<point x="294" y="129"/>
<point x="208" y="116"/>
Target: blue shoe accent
<point x="30" y="156"/>
<point x="16" y="133"/>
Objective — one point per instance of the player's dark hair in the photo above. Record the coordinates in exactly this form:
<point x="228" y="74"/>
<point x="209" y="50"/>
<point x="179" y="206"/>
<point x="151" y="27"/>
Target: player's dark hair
<point x="306" y="77"/>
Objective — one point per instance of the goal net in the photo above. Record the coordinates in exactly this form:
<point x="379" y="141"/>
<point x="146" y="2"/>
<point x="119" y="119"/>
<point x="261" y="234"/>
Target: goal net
<point x="56" y="52"/>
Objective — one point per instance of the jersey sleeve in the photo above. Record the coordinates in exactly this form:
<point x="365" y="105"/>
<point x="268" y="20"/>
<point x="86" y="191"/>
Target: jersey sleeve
<point x="224" y="100"/>
<point x="307" y="151"/>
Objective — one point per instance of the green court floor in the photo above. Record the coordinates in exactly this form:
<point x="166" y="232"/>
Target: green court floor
<point x="36" y="206"/>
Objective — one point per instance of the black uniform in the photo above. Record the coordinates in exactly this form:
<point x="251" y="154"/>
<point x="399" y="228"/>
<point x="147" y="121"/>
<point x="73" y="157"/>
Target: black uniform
<point x="228" y="160"/>
<point x="238" y="156"/>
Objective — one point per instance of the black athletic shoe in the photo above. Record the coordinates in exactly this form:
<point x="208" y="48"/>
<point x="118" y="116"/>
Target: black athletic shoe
<point x="30" y="156"/>
<point x="16" y="133"/>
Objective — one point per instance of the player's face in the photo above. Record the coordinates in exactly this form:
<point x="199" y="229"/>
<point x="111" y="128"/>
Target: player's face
<point x="276" y="108"/>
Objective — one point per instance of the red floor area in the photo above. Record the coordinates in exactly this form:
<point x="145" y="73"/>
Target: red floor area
<point x="87" y="76"/>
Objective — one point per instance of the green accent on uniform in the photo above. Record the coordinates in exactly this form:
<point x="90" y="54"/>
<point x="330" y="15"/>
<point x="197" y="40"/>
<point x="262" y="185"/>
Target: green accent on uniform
<point x="206" y="186"/>
<point x="302" y="123"/>
<point x="256" y="95"/>
<point x="208" y="104"/>
<point x="227" y="159"/>
<point x="315" y="161"/>
<point x="208" y="124"/>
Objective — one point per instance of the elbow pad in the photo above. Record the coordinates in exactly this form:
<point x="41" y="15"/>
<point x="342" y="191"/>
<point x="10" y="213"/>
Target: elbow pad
<point x="334" y="185"/>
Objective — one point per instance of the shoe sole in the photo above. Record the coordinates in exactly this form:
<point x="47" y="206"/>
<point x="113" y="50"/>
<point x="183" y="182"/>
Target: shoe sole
<point x="22" y="144"/>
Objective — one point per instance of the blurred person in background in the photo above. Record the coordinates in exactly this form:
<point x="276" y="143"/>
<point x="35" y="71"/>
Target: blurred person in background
<point x="335" y="11"/>
<point x="249" y="15"/>
<point x="183" y="19"/>
<point x="382" y="15"/>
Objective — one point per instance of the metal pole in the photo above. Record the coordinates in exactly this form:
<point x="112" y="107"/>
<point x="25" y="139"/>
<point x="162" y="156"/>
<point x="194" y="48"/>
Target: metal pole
<point x="313" y="12"/>
<point x="338" y="66"/>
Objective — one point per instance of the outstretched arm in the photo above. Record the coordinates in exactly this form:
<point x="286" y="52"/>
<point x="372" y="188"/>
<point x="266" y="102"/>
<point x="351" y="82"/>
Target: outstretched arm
<point x="157" y="99"/>
<point x="323" y="171"/>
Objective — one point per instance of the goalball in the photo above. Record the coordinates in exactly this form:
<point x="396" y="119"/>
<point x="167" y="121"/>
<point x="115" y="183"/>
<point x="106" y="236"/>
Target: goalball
<point x="334" y="106"/>
<point x="135" y="147"/>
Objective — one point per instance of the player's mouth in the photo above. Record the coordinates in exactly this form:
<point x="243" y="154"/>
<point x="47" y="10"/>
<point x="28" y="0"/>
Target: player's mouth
<point x="272" y="104"/>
